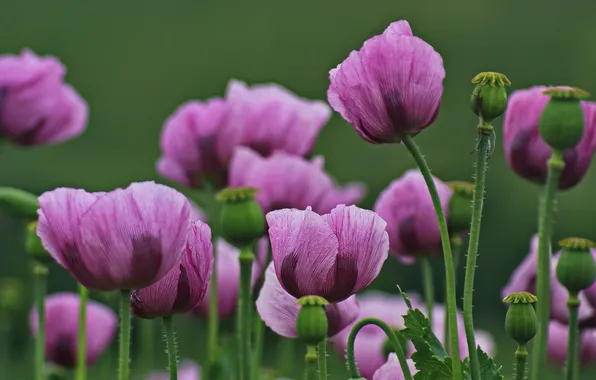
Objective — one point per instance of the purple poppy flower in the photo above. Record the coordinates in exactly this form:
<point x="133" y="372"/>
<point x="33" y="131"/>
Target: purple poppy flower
<point x="188" y="370"/>
<point x="62" y="321"/>
<point x="391" y="370"/>
<point x="412" y="224"/>
<point x="125" y="239"/>
<point x="267" y="118"/>
<point x="279" y="311"/>
<point x="185" y="285"/>
<point x="228" y="278"/>
<point x="288" y="181"/>
<point x="527" y="154"/>
<point x="332" y="256"/>
<point x="389" y="88"/>
<point x="524" y="278"/>
<point x="36" y="106"/>
<point x="557" y="344"/>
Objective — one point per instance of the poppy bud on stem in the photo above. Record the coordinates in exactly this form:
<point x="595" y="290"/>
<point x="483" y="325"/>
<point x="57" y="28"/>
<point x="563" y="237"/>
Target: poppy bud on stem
<point x="311" y="328"/>
<point x="521" y="325"/>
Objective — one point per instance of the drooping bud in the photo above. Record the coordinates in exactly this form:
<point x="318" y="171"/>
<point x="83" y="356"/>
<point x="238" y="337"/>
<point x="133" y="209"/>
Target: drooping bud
<point x="18" y="203"/>
<point x="521" y="322"/>
<point x="576" y="269"/>
<point x="311" y="323"/>
<point x="489" y="99"/>
<point x="460" y="206"/>
<point x="242" y="219"/>
<point x="562" y="122"/>
<point x="33" y="245"/>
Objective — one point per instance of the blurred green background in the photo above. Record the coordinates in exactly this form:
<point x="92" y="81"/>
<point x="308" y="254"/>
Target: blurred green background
<point x="135" y="62"/>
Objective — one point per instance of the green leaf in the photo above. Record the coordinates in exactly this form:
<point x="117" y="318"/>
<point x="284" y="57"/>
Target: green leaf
<point x="18" y="203"/>
<point x="489" y="370"/>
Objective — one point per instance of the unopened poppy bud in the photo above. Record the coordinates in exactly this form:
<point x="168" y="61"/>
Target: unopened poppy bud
<point x="576" y="269"/>
<point x="388" y="346"/>
<point x="33" y="245"/>
<point x="521" y="322"/>
<point x="242" y="219"/>
<point x="489" y="99"/>
<point x="18" y="203"/>
<point x="460" y="206"/>
<point x="311" y="323"/>
<point x="562" y="122"/>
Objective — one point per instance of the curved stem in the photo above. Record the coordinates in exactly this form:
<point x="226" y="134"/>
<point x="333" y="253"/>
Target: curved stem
<point x="322" y="354"/>
<point x="258" y="351"/>
<point x="81" y="372"/>
<point x="124" y="356"/>
<point x="546" y="217"/>
<point x="310" y="361"/>
<point x="483" y="150"/>
<point x="399" y="351"/>
<point x="521" y="357"/>
<point x="572" y="344"/>
<point x="40" y="272"/>
<point x="445" y="242"/>
<point x="429" y="289"/>
<point x="168" y="328"/>
<point x="244" y="312"/>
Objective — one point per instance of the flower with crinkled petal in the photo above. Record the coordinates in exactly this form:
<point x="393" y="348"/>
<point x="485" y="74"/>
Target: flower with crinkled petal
<point x="288" y="181"/>
<point x="185" y="285"/>
<point x="412" y="224"/>
<point x="391" y="370"/>
<point x="189" y="370"/>
<point x="557" y="344"/>
<point x="228" y="278"/>
<point x="332" y="256"/>
<point x="389" y="88"/>
<point x="268" y="117"/>
<point x="36" y="106"/>
<point x="124" y="239"/>
<point x="524" y="278"/>
<point x="279" y="311"/>
<point x="62" y="321"/>
<point x="527" y="154"/>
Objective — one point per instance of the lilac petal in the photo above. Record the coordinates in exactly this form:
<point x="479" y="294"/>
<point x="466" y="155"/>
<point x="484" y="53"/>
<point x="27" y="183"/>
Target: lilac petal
<point x="243" y="162"/>
<point x="362" y="241"/>
<point x="391" y="370"/>
<point x="304" y="250"/>
<point x="59" y="220"/>
<point x="341" y="314"/>
<point x="399" y="28"/>
<point x="173" y="171"/>
<point x="188" y="370"/>
<point x="131" y="238"/>
<point x="486" y="341"/>
<point x="27" y="68"/>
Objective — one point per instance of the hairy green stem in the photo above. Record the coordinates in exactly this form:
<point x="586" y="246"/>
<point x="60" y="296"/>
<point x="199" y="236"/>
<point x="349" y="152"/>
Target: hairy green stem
<point x="244" y="312"/>
<point x="322" y="354"/>
<point x="213" y="319"/>
<point x="573" y="303"/>
<point x="546" y="217"/>
<point x="456" y="246"/>
<point x="81" y="372"/>
<point x="483" y="150"/>
<point x="399" y="351"/>
<point x="521" y="358"/>
<point x="310" y="361"/>
<point x="445" y="241"/>
<point x="257" y="356"/>
<point x="168" y="328"/>
<point x="124" y="349"/>
<point x="40" y="272"/>
<point x="429" y="288"/>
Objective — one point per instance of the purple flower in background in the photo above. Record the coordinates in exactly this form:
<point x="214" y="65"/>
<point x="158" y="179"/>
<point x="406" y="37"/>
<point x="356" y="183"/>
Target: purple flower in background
<point x="332" y="256"/>
<point x="188" y="370"/>
<point x="288" y="181"/>
<point x="412" y="224"/>
<point x="36" y="106"/>
<point x="279" y="311"/>
<point x="62" y="321"/>
<point x="527" y="154"/>
<point x="391" y="87"/>
<point x="125" y="239"/>
<point x="228" y="277"/>
<point x="185" y="285"/>
<point x="524" y="278"/>
<point x="391" y="370"/>
<point x="557" y="344"/>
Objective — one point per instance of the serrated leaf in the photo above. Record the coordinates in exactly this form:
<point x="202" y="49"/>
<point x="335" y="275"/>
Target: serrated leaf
<point x="489" y="370"/>
<point x="418" y="328"/>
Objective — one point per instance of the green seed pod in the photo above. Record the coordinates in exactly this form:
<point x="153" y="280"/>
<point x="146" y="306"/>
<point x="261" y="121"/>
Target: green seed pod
<point x="561" y="124"/>
<point x="242" y="219"/>
<point x="460" y="206"/>
<point x="489" y="98"/>
<point x="576" y="269"/>
<point x="312" y="324"/>
<point x="33" y="245"/>
<point x="18" y="203"/>
<point x="388" y="346"/>
<point x="521" y="322"/>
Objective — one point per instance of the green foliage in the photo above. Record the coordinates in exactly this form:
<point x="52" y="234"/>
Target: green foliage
<point x="489" y="370"/>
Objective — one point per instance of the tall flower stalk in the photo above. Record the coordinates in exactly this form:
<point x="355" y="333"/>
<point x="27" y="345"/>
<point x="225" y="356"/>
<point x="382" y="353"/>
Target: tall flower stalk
<point x="40" y="272"/>
<point x="124" y="336"/>
<point x="172" y="349"/>
<point x="81" y="372"/>
<point x="245" y="312"/>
